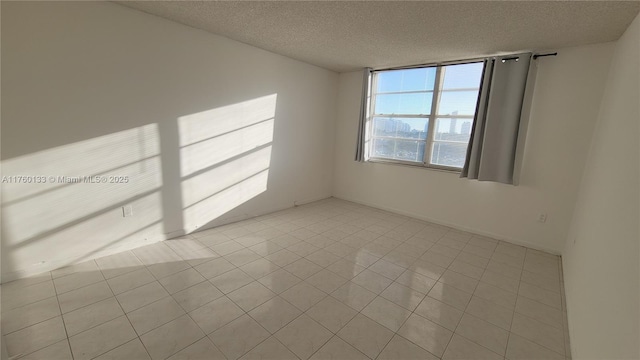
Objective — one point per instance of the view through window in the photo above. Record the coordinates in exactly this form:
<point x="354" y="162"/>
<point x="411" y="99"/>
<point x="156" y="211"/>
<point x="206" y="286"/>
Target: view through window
<point x="424" y="116"/>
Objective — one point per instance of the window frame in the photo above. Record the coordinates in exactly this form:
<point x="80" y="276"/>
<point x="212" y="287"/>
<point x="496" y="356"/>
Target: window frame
<point x="432" y="116"/>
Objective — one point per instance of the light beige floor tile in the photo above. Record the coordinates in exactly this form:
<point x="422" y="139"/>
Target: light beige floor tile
<point x="353" y="295"/>
<point x="386" y="313"/>
<point x="211" y="237"/>
<point x="501" y="281"/>
<point x="242" y="257"/>
<point x="141" y="296"/>
<point x="231" y="280"/>
<point x="171" y="337"/>
<point x="57" y="351"/>
<point x="444" y="250"/>
<point x="275" y="314"/>
<point x="439" y="312"/>
<point x="326" y="281"/>
<point x="201" y="349"/>
<point x="507" y="259"/>
<point x="472" y="247"/>
<point x="504" y="270"/>
<point x="250" y="240"/>
<point x="265" y="248"/>
<point x="35" y="337"/>
<point x="337" y="348"/>
<point x="341" y="237"/>
<point x="426" y="334"/>
<point x="93" y="315"/>
<point x="450" y="295"/>
<point x="520" y="348"/>
<point x="541" y="295"/>
<point x="459" y="281"/>
<point x="545" y="282"/>
<point x="366" y="335"/>
<point x="490" y="312"/>
<point x="212" y="316"/>
<point x="270" y="349"/>
<point x="483" y="333"/>
<point x="200" y="256"/>
<point x="427" y="269"/>
<point x="251" y="295"/>
<point x="331" y="313"/>
<point x="303" y="336"/>
<point x="157" y="253"/>
<point x="303" y="248"/>
<point x="162" y="270"/>
<point x="238" y="337"/>
<point x="473" y="259"/>
<point x="361" y="258"/>
<point x="16" y="296"/>
<point x="401" y="349"/>
<point x="133" y="350"/>
<point x="387" y="269"/>
<point x="302" y="268"/>
<point x="154" y="315"/>
<point x="545" y="267"/>
<point x="77" y="280"/>
<point x="259" y="268"/>
<point x="372" y="281"/>
<point x="416" y="281"/>
<point x="102" y="338"/>
<point x="282" y="258"/>
<point x="342" y="250"/>
<point x="462" y="349"/>
<point x="512" y="250"/>
<point x="279" y="281"/>
<point x="87" y="295"/>
<point x="197" y="295"/>
<point x="548" y="336"/>
<point x="303" y="296"/>
<point x="435" y="258"/>
<point x="182" y="280"/>
<point x="226" y="248"/>
<point x="496" y="295"/>
<point x="539" y="311"/>
<point x="403" y="296"/>
<point x="130" y="280"/>
<point x="322" y="258"/>
<point x="85" y="266"/>
<point x="10" y="286"/>
<point x="214" y="268"/>
<point x="483" y="242"/>
<point x="31" y="314"/>
<point x="345" y="269"/>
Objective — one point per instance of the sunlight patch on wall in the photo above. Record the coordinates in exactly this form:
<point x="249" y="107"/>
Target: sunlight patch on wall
<point x="75" y="208"/>
<point x="225" y="154"/>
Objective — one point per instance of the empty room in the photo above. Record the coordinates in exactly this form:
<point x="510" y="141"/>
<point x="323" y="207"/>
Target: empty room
<point x="343" y="180"/>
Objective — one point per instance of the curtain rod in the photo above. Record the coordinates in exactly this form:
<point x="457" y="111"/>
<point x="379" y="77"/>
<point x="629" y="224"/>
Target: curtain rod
<point x="459" y="62"/>
<point x="541" y="55"/>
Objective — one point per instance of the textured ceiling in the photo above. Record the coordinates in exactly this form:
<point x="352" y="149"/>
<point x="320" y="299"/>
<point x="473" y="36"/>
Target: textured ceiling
<point x="346" y="35"/>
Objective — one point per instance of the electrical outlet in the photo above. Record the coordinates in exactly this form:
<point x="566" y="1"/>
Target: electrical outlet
<point x="542" y="217"/>
<point x="127" y="211"/>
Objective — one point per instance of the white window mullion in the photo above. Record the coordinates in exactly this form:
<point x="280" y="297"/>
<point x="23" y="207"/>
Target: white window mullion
<point x="432" y="119"/>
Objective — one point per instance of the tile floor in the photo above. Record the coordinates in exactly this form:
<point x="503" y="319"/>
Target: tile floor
<point x="327" y="280"/>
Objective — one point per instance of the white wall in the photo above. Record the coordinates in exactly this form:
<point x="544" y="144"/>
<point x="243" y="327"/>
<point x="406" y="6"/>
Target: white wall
<point x="565" y="105"/>
<point x="600" y="258"/>
<point x="96" y="88"/>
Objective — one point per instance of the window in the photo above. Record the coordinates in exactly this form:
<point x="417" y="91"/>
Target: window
<point x="424" y="116"/>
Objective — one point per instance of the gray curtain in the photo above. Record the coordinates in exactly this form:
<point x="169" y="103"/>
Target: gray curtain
<point x="492" y="148"/>
<point x="362" y="125"/>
